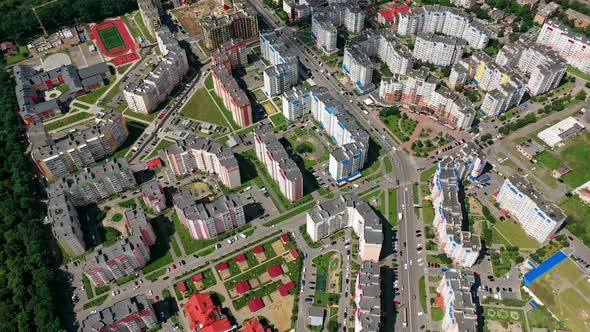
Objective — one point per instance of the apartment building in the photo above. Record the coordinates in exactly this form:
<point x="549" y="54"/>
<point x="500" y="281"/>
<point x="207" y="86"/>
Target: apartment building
<point x="233" y="97"/>
<point x="279" y="78"/>
<point x="544" y="13"/>
<point x="150" y="11"/>
<point x="457" y="291"/>
<point x="460" y="246"/>
<point x="463" y="3"/>
<point x="144" y="94"/>
<point x="448" y="21"/>
<point x="128" y="315"/>
<point x="367" y="298"/>
<point x="239" y="22"/>
<point x="296" y="9"/>
<point x="573" y="47"/>
<point x="281" y="168"/>
<point x="323" y="32"/>
<point x="296" y="102"/>
<point x="137" y="223"/>
<point x="153" y="195"/>
<point x="390" y="15"/>
<point x="109" y="264"/>
<point x="353" y="142"/>
<point x="203" y="154"/>
<point x="390" y="90"/>
<point x="206" y="220"/>
<point x="358" y="67"/>
<point x="232" y="54"/>
<point x="345" y="211"/>
<point x="505" y="88"/>
<point x="65" y="223"/>
<point x="31" y="86"/>
<point x="354" y="18"/>
<point x="537" y="216"/>
<point x="57" y="156"/>
<point x="394" y="54"/>
<point x="438" y="50"/>
<point x="420" y="90"/>
<point x="96" y="183"/>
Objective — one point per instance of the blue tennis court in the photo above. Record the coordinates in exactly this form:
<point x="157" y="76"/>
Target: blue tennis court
<point x="547" y="265"/>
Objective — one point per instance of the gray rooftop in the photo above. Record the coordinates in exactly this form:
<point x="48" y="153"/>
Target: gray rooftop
<point x="278" y="152"/>
<point x="547" y="207"/>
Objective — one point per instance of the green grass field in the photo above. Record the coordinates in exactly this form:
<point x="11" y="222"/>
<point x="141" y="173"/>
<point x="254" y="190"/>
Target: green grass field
<point x="504" y="316"/>
<point x="516" y="235"/>
<point x="576" y="155"/>
<point x="559" y="289"/>
<point x="201" y="107"/>
<point x="577" y="215"/>
<point x="111" y="38"/>
<point x="67" y="121"/>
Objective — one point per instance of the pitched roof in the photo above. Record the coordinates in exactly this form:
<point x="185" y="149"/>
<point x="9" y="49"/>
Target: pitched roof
<point x="242" y="286"/>
<point x="255" y="304"/>
<point x="253" y="325"/>
<point x="181" y="286"/>
<point x="240" y="258"/>
<point x="153" y="163"/>
<point x="286" y="287"/>
<point x="285" y="238"/>
<point x="258" y="249"/>
<point x="294" y="253"/>
<point x="197" y="277"/>
<point x="275" y="270"/>
<point x="221" y="266"/>
<point x="204" y="314"/>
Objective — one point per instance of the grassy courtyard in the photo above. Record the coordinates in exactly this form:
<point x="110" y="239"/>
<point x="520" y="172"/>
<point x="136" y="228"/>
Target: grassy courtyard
<point x="202" y="108"/>
<point x="401" y="126"/>
<point x="512" y="232"/>
<point x="67" y="121"/>
<point x="578" y="214"/>
<point x="576" y="155"/>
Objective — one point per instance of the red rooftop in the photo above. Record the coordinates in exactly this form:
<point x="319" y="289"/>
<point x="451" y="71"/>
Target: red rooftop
<point x="255" y="304"/>
<point x="258" y="249"/>
<point x="242" y="286"/>
<point x="181" y="286"/>
<point x="221" y="266"/>
<point x="198" y="277"/>
<point x="275" y="270"/>
<point x="240" y="258"/>
<point x="286" y="287"/>
<point x="285" y="238"/>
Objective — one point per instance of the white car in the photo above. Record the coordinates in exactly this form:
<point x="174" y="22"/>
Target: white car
<point x="151" y="292"/>
<point x="405" y="266"/>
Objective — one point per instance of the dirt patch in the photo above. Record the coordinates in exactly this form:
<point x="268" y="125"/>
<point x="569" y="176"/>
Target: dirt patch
<point x="243" y="265"/>
<point x="279" y="312"/>
<point x="254" y="283"/>
<point x="334" y="272"/>
<point x="224" y="274"/>
<point x="494" y="326"/>
<point x="199" y="285"/>
<point x="261" y="257"/>
<point x="318" y="147"/>
<point x="269" y="108"/>
<point x="199" y="189"/>
<point x="108" y="220"/>
<point x="278" y="247"/>
<point x="474" y="206"/>
<point x="264" y="278"/>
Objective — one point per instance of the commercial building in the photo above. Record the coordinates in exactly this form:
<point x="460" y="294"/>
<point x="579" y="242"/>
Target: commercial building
<point x="537" y="216"/>
<point x="239" y="22"/>
<point x="448" y="21"/>
<point x="204" y="315"/>
<point x="438" y="50"/>
<point x="345" y="211"/>
<point x="367" y="298"/>
<point x="544" y="13"/>
<point x="390" y="15"/>
<point x="561" y="131"/>
<point x="460" y="246"/>
<point x="530" y="149"/>
<point x="390" y="90"/>
<point x="233" y="97"/>
<point x="296" y="102"/>
<point x="96" y="183"/>
<point x="31" y="87"/>
<point x="203" y="154"/>
<point x="76" y="150"/>
<point x="573" y="47"/>
<point x="281" y="168"/>
<point x="128" y="315"/>
<point x="144" y="95"/>
<point x="206" y="220"/>
<point x="153" y="195"/>
<point x="457" y="291"/>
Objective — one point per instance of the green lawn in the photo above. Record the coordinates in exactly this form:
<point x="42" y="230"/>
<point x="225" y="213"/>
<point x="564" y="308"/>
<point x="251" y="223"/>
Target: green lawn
<point x="278" y="119"/>
<point x="392" y="203"/>
<point x="402" y="129"/>
<point x="189" y="244"/>
<point x="209" y="82"/>
<point x="81" y="106"/>
<point x="577" y="72"/>
<point x="87" y="287"/>
<point x="388" y="165"/>
<point x="162" y="145"/>
<point x="576" y="155"/>
<point x="111" y="38"/>
<point x="96" y="302"/>
<point x="144" y="31"/>
<point x="422" y="291"/>
<point x="504" y="316"/>
<point x="201" y="107"/>
<point x="578" y="215"/>
<point x="512" y="231"/>
<point x="19" y="56"/>
<point x="135" y="131"/>
<point x="92" y="97"/>
<point x="106" y="100"/>
<point x="436" y="314"/>
<point x="427" y="174"/>
<point x="68" y="120"/>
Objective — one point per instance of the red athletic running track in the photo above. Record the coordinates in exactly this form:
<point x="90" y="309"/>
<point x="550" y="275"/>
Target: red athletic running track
<point x="118" y="59"/>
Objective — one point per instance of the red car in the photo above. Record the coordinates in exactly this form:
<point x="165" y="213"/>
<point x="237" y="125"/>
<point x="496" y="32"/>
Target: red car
<point x="157" y="298"/>
<point x="397" y="302"/>
<point x="174" y="266"/>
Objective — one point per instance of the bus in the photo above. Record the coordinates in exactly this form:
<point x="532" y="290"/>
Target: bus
<point x="404" y="313"/>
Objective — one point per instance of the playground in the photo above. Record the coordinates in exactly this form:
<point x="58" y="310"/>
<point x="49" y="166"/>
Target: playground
<point x="114" y="41"/>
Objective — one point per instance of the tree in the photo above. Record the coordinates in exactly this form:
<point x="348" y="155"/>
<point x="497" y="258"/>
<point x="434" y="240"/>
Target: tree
<point x="581" y="95"/>
<point x="305" y="147"/>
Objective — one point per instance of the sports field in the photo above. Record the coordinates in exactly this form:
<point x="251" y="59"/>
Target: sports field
<point x="566" y="292"/>
<point x="111" y="38"/>
<point x="575" y="154"/>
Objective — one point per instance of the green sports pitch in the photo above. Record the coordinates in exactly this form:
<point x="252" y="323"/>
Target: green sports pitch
<point x="111" y="38"/>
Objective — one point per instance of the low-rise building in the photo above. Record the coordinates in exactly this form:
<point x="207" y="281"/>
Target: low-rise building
<point x="153" y="195"/>
<point x="203" y="154"/>
<point x="544" y="13"/>
<point x="346" y="211"/>
<point x="560" y="132"/>
<point x="367" y="298"/>
<point x="145" y="94"/>
<point x="580" y="20"/>
<point x="128" y="315"/>
<point x="281" y="168"/>
<point x="390" y="15"/>
<point x="537" y="216"/>
<point x="204" y="315"/>
<point x="457" y="290"/>
<point x="530" y="149"/>
<point x="206" y="220"/>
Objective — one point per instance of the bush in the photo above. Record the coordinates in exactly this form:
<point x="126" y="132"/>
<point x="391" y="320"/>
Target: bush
<point x="117" y="217"/>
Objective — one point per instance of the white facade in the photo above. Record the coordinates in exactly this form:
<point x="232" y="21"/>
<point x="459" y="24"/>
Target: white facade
<point x="538" y="217"/>
<point x="296" y="102"/>
<point x="323" y="32"/>
<point x="358" y="67"/>
<point x="461" y="312"/>
<point x="437" y="50"/>
<point x="279" y="78"/>
<point x="573" y="47"/>
<point x="560" y="131"/>
<point x="354" y="19"/>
